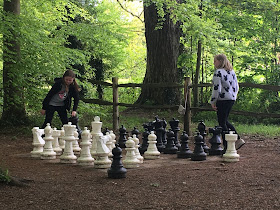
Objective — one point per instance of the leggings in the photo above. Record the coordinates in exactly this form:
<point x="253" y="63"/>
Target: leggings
<point x="50" y="112"/>
<point x="223" y="110"/>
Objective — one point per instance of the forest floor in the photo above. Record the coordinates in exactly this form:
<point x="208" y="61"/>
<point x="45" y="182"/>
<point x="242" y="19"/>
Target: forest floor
<point x="165" y="183"/>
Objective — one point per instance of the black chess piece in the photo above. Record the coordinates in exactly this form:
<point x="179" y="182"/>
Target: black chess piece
<point x="202" y="131"/>
<point x="170" y="147"/>
<point x="164" y="124"/>
<point x="158" y="125"/>
<point x="149" y="126"/>
<point x="105" y="131"/>
<point x="215" y="141"/>
<point x="198" y="153"/>
<point x="75" y="121"/>
<point x="144" y="146"/>
<point x="136" y="132"/>
<point x="174" y="124"/>
<point x="122" y="137"/>
<point x="184" y="151"/>
<point x="117" y="171"/>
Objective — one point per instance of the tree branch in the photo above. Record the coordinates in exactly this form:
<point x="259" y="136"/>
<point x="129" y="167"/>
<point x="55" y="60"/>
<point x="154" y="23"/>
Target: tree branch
<point x="130" y="12"/>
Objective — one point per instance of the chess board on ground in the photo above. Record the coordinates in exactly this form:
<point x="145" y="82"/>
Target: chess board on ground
<point x="166" y="183"/>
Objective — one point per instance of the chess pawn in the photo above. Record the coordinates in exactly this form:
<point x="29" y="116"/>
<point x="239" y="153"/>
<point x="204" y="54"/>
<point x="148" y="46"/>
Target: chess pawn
<point x="184" y="151"/>
<point x="76" y="147"/>
<point x="137" y="153"/>
<point x="48" y="152"/>
<point x="68" y="154"/>
<point x="152" y="151"/>
<point x="96" y="134"/>
<point x="170" y="147"/>
<point x="117" y="171"/>
<point x="130" y="160"/>
<point x="55" y="144"/>
<point x="113" y="139"/>
<point x="102" y="152"/>
<point x="38" y="142"/>
<point x="231" y="153"/>
<point x="61" y="140"/>
<point x="85" y="156"/>
<point x="144" y="146"/>
<point x="215" y="141"/>
<point x="109" y="143"/>
<point x="198" y="153"/>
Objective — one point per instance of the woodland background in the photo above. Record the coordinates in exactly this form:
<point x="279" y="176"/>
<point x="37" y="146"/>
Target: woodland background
<point x="148" y="41"/>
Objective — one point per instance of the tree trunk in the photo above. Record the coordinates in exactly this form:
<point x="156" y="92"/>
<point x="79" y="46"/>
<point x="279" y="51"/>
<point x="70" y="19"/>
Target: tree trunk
<point x="162" y="54"/>
<point x="196" y="78"/>
<point x="13" y="106"/>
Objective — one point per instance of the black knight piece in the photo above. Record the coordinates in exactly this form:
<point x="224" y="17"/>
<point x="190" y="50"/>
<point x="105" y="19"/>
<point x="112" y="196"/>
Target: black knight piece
<point x="202" y="131"/>
<point x="144" y="146"/>
<point x="158" y="124"/>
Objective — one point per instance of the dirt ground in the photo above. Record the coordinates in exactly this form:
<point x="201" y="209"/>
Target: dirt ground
<point x="165" y="183"/>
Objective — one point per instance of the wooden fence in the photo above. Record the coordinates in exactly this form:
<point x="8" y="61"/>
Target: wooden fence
<point x="187" y="94"/>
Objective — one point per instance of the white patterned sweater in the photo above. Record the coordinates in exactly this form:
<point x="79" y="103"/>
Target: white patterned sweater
<point x="225" y="86"/>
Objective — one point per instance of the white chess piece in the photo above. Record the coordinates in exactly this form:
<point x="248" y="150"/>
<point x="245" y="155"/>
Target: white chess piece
<point x="61" y="140"/>
<point x="152" y="151"/>
<point x="113" y="139"/>
<point x="102" y="160"/>
<point x="55" y="144"/>
<point x="48" y="152"/>
<point x="231" y="153"/>
<point x="95" y="133"/>
<point x="130" y="160"/>
<point x="38" y="142"/>
<point x="137" y="153"/>
<point x="68" y="154"/>
<point x="109" y="143"/>
<point x="76" y="147"/>
<point x="85" y="156"/>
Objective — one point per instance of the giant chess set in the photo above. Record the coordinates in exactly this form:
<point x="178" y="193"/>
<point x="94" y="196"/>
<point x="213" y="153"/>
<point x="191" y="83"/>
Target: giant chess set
<point x="102" y="150"/>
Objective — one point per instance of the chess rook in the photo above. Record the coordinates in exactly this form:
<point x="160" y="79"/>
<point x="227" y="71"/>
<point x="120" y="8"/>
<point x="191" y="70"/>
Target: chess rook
<point x="231" y="153"/>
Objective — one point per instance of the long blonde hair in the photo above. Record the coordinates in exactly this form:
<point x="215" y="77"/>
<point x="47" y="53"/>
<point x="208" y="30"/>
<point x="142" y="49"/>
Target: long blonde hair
<point x="224" y="62"/>
<point x="70" y="73"/>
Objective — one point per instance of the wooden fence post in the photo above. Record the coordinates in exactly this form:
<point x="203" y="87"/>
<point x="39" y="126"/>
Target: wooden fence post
<point x="115" y="104"/>
<point x="187" y="116"/>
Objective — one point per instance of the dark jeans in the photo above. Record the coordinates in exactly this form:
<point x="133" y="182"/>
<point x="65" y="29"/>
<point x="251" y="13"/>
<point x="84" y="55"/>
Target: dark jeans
<point x="50" y="112"/>
<point x="223" y="110"/>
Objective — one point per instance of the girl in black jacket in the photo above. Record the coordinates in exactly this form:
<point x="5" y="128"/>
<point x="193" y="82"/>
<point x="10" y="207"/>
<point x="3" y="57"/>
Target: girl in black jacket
<point x="59" y="98"/>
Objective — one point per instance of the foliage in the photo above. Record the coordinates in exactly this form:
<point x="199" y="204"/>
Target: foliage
<point x="4" y="175"/>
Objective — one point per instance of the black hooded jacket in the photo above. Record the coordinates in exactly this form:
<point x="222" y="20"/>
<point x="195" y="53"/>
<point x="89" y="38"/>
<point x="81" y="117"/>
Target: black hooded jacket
<point x="73" y="93"/>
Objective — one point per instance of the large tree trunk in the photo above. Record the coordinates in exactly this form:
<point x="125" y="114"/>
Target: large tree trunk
<point x="13" y="106"/>
<point x="162" y="55"/>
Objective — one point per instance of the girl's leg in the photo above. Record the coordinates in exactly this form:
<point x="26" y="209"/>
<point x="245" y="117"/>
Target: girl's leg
<point x="62" y="114"/>
<point x="49" y="116"/>
<point x="223" y="110"/>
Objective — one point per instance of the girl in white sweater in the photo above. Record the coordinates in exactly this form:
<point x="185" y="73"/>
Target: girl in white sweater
<point x="224" y="94"/>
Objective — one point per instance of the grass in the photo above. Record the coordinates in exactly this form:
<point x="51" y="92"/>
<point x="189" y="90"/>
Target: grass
<point x="4" y="176"/>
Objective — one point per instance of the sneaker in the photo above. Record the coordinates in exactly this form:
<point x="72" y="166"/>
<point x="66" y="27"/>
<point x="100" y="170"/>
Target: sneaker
<point x="239" y="143"/>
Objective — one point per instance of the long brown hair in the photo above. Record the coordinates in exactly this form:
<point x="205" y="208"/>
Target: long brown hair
<point x="224" y="62"/>
<point x="70" y="73"/>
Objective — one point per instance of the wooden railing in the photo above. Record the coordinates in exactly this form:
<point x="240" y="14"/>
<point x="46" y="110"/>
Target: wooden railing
<point x="187" y="94"/>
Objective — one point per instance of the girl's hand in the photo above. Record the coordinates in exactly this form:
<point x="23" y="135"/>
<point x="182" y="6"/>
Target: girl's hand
<point x="73" y="113"/>
<point x="43" y="112"/>
<point x="214" y="107"/>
